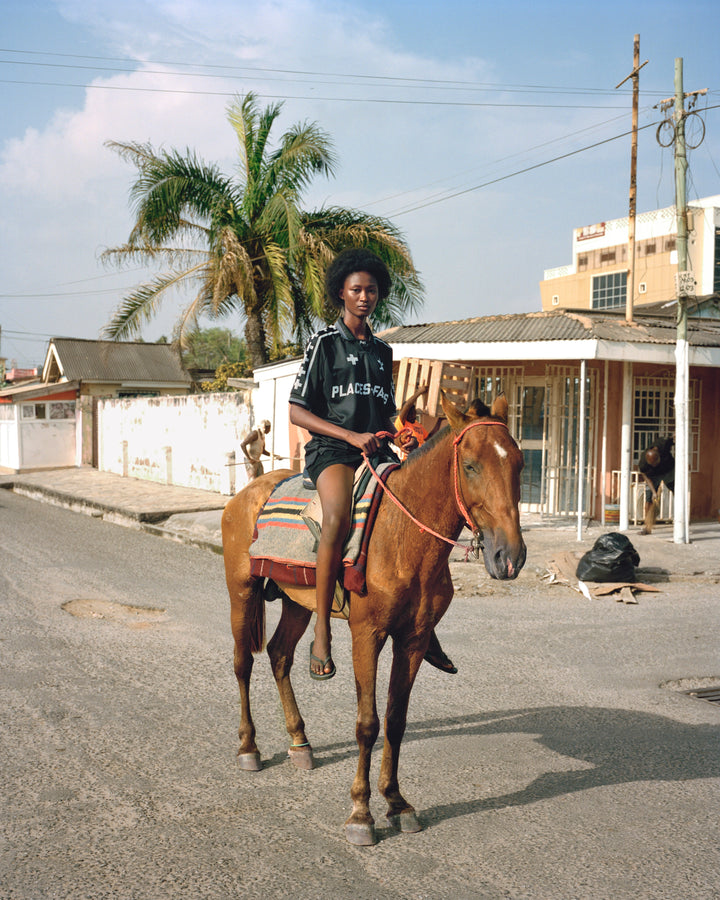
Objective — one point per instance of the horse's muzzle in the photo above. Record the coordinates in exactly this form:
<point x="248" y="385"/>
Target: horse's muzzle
<point x="503" y="559"/>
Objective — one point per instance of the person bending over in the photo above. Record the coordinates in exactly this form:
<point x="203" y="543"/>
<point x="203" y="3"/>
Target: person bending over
<point x="656" y="464"/>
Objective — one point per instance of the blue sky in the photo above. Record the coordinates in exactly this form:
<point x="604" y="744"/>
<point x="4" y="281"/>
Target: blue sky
<point x="434" y="108"/>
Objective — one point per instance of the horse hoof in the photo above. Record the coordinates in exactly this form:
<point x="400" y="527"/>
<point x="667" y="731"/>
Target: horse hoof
<point x="249" y="762"/>
<point x="407" y="821"/>
<point x="302" y="757"/>
<point x="360" y="835"/>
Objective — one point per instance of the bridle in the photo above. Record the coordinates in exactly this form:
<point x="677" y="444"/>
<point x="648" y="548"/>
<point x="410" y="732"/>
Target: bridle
<point x="476" y="544"/>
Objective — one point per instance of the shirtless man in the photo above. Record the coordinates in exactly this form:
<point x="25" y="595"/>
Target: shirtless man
<point x="253" y="447"/>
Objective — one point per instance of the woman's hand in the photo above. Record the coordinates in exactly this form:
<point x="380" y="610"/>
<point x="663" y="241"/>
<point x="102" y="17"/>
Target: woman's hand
<point x="367" y="442"/>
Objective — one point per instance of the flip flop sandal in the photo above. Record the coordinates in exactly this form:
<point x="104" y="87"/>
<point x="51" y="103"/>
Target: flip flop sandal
<point x="323" y="662"/>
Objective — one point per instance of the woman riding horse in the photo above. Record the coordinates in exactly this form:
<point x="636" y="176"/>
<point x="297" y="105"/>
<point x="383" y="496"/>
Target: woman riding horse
<point x="344" y="396"/>
<point x="468" y="475"/>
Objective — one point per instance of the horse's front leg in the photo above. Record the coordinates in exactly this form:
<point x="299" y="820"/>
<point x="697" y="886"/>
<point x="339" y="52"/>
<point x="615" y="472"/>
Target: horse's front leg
<point x="366" y="644"/>
<point x="406" y="663"/>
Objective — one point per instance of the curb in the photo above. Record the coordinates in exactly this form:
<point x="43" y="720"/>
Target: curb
<point x="140" y="521"/>
<point x="182" y="538"/>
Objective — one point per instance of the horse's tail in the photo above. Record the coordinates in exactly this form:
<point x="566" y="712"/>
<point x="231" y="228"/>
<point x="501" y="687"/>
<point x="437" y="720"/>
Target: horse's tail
<point x="256" y="618"/>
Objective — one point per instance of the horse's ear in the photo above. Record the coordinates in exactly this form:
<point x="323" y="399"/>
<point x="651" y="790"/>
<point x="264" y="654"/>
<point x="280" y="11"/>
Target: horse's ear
<point x="456" y="418"/>
<point x="500" y="407"/>
<point x="477" y="408"/>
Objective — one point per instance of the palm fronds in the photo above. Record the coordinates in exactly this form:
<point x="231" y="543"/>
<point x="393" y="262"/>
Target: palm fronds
<point x="245" y="245"/>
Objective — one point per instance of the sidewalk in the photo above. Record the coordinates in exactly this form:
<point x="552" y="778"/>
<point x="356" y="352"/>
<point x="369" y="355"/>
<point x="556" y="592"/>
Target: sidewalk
<point x="185" y="514"/>
<point x="193" y="516"/>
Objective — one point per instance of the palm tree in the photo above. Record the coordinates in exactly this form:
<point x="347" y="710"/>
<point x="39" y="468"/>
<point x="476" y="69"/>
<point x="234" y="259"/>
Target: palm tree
<point x="246" y="245"/>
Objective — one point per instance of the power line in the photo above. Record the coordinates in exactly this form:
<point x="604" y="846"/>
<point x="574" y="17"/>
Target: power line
<point x="539" y="165"/>
<point x="28" y="336"/>
<point x="379" y="81"/>
<point x="495" y="162"/>
<point x="390" y="79"/>
<point x="196" y="93"/>
<point x="450" y="196"/>
<point x="45" y="295"/>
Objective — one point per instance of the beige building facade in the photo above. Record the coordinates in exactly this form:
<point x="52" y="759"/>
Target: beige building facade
<point x="597" y="277"/>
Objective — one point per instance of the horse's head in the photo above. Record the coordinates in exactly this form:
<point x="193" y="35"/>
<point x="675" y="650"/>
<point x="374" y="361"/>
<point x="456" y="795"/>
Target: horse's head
<point x="486" y="474"/>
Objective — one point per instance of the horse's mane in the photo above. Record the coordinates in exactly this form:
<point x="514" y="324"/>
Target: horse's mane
<point x="476" y="408"/>
<point x="427" y="446"/>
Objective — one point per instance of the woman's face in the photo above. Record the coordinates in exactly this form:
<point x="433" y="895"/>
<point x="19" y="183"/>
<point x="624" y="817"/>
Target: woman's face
<point x="360" y="294"/>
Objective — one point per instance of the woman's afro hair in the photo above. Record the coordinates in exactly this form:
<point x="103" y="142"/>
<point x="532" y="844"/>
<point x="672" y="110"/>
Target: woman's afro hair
<point x="356" y="260"/>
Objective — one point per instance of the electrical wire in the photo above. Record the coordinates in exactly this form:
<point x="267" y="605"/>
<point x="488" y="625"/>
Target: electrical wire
<point x="547" y="162"/>
<point x="281" y="97"/>
<point x="387" y="79"/>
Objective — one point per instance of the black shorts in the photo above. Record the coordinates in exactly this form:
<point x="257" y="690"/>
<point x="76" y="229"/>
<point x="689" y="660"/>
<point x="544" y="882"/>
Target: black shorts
<point x="318" y="456"/>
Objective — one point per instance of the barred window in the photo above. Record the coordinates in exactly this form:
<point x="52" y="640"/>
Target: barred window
<point x="609" y="291"/>
<point x="654" y="415"/>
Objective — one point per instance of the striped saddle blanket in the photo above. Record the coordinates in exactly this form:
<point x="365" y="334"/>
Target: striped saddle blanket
<point x="286" y="536"/>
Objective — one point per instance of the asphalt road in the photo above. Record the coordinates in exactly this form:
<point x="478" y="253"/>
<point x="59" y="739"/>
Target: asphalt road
<point x="554" y="765"/>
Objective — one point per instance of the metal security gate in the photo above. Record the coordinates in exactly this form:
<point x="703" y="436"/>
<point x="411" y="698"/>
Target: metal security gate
<point x="548" y="429"/>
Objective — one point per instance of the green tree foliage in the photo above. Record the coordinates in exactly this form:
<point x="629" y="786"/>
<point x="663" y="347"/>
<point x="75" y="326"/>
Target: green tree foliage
<point x="246" y="245"/>
<point x="222" y="373"/>
<point x="212" y="347"/>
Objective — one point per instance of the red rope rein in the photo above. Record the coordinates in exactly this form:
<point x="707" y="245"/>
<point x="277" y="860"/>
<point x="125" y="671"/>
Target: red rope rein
<point x="458" y="496"/>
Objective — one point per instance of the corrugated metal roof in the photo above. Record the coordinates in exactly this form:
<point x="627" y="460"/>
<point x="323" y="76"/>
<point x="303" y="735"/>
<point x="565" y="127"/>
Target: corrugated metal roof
<point x="119" y="361"/>
<point x="557" y="325"/>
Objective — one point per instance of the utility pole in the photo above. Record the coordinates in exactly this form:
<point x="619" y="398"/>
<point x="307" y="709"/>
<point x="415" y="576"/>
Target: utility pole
<point x="635" y="75"/>
<point x="625" y="437"/>
<point x="681" y="532"/>
<point x="684" y="288"/>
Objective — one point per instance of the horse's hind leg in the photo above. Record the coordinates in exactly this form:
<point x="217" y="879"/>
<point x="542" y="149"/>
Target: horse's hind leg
<point x="405" y="667"/>
<point x="281" y="649"/>
<point x="247" y="620"/>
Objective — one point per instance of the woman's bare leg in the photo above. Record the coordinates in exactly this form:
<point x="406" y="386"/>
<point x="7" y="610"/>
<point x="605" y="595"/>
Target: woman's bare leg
<point x="334" y="486"/>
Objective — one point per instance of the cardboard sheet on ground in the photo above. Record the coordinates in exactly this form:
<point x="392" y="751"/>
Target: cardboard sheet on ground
<point x="561" y="570"/>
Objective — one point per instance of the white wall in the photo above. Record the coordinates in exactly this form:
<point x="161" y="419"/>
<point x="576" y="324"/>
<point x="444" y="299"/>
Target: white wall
<point x="177" y="440"/>
<point x="33" y="443"/>
<point x="9" y="437"/>
<point x="270" y="401"/>
<point x="47" y="444"/>
<point x="183" y="440"/>
<point x="704" y="225"/>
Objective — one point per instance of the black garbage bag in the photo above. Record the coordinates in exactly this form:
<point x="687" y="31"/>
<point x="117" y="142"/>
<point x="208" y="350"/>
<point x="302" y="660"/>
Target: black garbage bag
<point x="612" y="558"/>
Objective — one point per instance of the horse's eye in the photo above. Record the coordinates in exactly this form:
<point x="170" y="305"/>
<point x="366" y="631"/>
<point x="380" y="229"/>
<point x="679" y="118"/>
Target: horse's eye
<point x="470" y="468"/>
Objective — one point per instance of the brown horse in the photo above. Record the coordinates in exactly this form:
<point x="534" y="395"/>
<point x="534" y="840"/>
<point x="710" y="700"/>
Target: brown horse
<point x="469" y="471"/>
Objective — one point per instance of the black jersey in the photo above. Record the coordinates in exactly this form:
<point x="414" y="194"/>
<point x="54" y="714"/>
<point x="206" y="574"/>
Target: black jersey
<point x="346" y="381"/>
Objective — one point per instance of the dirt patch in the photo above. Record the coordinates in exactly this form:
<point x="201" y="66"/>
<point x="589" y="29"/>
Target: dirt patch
<point x="123" y="614"/>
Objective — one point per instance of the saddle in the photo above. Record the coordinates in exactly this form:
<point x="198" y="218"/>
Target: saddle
<point x="287" y="532"/>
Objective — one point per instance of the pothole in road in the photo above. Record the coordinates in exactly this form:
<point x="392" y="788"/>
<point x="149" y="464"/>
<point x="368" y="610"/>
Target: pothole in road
<point x="122" y="613"/>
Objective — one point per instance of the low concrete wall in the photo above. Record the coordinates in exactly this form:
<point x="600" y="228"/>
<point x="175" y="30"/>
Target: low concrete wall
<point x="191" y="441"/>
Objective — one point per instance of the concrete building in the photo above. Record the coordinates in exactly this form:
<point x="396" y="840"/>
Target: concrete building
<point x="597" y="276"/>
<point x="566" y="375"/>
<point x="51" y="422"/>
